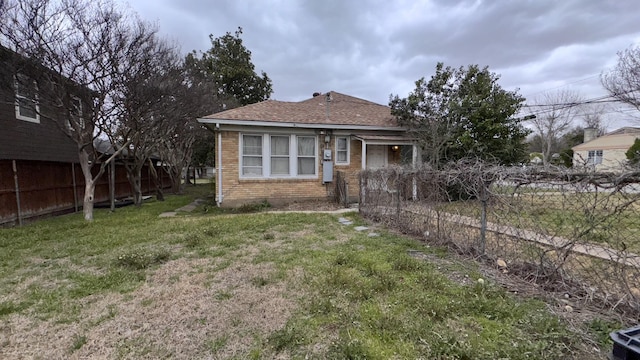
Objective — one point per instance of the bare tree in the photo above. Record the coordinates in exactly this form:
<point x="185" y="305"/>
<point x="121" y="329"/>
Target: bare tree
<point x="146" y="75"/>
<point x="593" y="117"/>
<point x="193" y="95"/>
<point x="623" y="81"/>
<point x="82" y="43"/>
<point x="556" y="113"/>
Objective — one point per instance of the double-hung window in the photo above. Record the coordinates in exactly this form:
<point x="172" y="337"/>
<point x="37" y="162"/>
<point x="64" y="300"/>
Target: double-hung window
<point x="595" y="157"/>
<point x="306" y="155"/>
<point x="278" y="156"/>
<point x="342" y="150"/>
<point x="252" y="155"/>
<point x="75" y="113"/>
<point x="27" y="107"/>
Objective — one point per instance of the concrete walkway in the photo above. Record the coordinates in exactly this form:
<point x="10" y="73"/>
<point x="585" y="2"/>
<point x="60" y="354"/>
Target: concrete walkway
<point x="186" y="208"/>
<point x="197" y="202"/>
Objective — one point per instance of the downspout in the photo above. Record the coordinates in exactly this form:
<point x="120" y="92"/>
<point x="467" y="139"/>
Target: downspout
<point x="219" y="166"/>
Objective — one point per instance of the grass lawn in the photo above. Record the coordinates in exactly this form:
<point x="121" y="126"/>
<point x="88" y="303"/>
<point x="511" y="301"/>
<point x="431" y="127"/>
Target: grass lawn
<point x="133" y="285"/>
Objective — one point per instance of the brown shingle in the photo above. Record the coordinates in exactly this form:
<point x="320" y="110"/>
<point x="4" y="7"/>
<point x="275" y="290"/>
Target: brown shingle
<point x="342" y="110"/>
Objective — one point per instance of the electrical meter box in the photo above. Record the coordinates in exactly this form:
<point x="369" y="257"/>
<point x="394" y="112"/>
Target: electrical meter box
<point x="327" y="167"/>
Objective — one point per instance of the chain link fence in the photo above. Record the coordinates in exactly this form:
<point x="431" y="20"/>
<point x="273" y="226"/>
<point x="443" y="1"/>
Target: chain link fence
<point x="563" y="230"/>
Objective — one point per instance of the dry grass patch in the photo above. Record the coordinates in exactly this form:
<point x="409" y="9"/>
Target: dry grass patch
<point x="177" y="313"/>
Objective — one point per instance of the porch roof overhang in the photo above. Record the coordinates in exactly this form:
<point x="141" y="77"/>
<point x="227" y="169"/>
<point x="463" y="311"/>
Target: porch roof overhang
<point x="384" y="139"/>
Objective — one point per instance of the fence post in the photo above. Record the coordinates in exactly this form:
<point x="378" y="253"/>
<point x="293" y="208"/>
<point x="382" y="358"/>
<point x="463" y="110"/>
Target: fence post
<point x="15" y="180"/>
<point x="75" y="190"/>
<point x="398" y="206"/>
<point x="363" y="186"/>
<point x="483" y="218"/>
<point x="112" y="185"/>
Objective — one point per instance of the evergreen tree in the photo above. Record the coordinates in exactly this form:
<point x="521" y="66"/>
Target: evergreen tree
<point x="461" y="113"/>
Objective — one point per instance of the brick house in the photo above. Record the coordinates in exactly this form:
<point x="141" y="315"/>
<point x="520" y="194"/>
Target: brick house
<point x="607" y="152"/>
<point x="291" y="151"/>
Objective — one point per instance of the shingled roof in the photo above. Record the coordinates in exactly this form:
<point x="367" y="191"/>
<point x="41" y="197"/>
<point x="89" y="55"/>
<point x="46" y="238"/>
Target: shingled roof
<point x="341" y="109"/>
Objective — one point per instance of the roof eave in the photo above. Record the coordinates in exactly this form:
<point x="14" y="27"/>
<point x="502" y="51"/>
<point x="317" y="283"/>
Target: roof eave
<point x="297" y="125"/>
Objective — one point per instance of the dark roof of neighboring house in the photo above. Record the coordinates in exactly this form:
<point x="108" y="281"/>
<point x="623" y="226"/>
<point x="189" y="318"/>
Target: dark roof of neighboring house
<point x="340" y="109"/>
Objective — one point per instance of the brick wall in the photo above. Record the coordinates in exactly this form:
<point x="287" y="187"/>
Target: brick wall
<point x="238" y="191"/>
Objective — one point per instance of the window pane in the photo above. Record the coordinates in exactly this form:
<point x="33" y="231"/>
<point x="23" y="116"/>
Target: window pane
<point x="280" y="145"/>
<point x="342" y="156"/>
<point x="306" y="146"/>
<point x="341" y="144"/>
<point x="252" y="145"/>
<point x="306" y="166"/>
<point x="252" y="171"/>
<point x="252" y="155"/>
<point x="27" y="108"/>
<point x="280" y="166"/>
<point x="252" y="161"/>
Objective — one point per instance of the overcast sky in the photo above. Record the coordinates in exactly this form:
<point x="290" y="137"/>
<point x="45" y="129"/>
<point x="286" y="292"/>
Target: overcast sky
<point x="371" y="49"/>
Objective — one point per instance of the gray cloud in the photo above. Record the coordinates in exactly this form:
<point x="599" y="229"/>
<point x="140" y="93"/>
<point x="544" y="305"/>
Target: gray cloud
<point x="373" y="48"/>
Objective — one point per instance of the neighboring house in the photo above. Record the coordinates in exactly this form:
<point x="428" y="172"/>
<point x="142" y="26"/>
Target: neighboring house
<point x="39" y="170"/>
<point x="36" y="157"/>
<point x="289" y="151"/>
<point x="607" y="152"/>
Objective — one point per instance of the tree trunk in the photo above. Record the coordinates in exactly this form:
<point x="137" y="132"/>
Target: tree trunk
<point x="137" y="188"/>
<point x="87" y="204"/>
<point x="156" y="182"/>
<point x="134" y="176"/>
<point x="89" y="186"/>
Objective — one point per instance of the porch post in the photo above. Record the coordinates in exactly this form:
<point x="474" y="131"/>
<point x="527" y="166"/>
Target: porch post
<point x="364" y="155"/>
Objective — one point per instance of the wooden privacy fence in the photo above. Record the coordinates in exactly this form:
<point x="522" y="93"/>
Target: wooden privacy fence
<point x="32" y="189"/>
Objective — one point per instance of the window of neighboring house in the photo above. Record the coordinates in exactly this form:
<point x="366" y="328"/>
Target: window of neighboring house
<point x="252" y="155"/>
<point x="278" y="156"/>
<point x="342" y="150"/>
<point x="306" y="155"/>
<point x="75" y="113"/>
<point x="595" y="157"/>
<point x="27" y="107"/>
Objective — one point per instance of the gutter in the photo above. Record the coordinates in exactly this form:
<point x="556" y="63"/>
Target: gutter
<point x="295" y="125"/>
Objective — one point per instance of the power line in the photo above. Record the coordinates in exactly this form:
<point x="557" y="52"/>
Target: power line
<point x="567" y="84"/>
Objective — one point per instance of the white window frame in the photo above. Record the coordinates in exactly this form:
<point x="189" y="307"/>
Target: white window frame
<point x="288" y="156"/>
<point x="21" y="96"/>
<point x="594" y="157"/>
<point x="266" y="156"/>
<point x="348" y="150"/>
<point x="76" y="99"/>
<point x="314" y="156"/>
<point x="242" y="156"/>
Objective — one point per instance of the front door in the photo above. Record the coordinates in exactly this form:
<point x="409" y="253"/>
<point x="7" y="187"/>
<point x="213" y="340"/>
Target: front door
<point x="376" y="156"/>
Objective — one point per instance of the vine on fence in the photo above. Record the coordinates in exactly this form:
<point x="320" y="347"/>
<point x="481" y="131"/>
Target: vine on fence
<point x="567" y="230"/>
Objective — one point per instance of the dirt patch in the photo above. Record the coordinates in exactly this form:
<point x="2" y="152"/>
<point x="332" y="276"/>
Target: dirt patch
<point x="184" y="310"/>
<point x="309" y="206"/>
